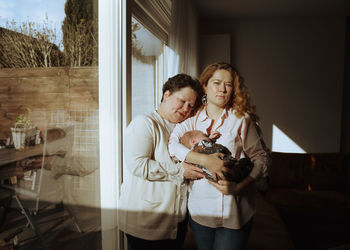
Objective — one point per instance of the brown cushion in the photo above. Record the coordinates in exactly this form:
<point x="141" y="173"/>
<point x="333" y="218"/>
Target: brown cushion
<point x="310" y="202"/>
<point x="347" y="170"/>
<point x="328" y="172"/>
<point x="290" y="170"/>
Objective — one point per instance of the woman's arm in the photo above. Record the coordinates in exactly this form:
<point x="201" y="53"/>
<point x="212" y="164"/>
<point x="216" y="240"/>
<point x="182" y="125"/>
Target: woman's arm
<point x="141" y="142"/>
<point x="175" y="147"/>
<point x="255" y="149"/>
<point x="211" y="162"/>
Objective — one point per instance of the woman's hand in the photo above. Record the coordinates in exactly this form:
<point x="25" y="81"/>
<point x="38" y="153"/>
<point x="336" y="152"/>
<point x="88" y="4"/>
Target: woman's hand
<point x="211" y="162"/>
<point x="227" y="187"/>
<point x="35" y="162"/>
<point x="214" y="164"/>
<point x="192" y="172"/>
<point x="232" y="188"/>
<point x="214" y="135"/>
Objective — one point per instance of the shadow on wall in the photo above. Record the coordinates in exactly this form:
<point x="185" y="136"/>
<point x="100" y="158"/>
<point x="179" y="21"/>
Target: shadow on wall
<point x="295" y="73"/>
<point x="294" y="68"/>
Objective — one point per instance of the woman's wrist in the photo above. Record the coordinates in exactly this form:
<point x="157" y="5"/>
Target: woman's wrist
<point x="203" y="159"/>
<point x="195" y="158"/>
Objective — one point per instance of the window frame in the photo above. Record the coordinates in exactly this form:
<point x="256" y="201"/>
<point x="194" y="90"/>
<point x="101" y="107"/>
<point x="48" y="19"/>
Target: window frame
<point x="114" y="68"/>
<point x="115" y="108"/>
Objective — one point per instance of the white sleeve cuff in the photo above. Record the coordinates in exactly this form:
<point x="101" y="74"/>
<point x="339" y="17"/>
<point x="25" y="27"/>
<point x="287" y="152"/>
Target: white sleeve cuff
<point x="177" y="176"/>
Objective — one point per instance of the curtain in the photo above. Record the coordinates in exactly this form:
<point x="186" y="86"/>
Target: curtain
<point x="154" y="15"/>
<point x="183" y="39"/>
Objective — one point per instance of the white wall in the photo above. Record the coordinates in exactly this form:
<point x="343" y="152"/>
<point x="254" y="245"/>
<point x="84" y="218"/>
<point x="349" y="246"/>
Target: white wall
<point x="294" y="69"/>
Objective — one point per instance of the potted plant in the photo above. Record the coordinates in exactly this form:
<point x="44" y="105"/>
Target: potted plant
<point x="23" y="132"/>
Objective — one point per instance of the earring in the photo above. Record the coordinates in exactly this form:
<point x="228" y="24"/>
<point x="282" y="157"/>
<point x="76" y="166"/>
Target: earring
<point x="204" y="100"/>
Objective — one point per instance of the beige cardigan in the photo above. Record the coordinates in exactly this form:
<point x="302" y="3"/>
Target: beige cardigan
<point x="152" y="199"/>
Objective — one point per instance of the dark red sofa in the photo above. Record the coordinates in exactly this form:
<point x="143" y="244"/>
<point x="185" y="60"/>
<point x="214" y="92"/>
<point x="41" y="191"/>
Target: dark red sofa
<point x="311" y="192"/>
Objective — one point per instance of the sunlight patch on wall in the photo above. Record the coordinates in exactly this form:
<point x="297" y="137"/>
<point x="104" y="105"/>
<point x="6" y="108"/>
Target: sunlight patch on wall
<point x="282" y="143"/>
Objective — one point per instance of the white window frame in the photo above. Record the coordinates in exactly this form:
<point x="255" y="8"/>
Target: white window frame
<point x="115" y="108"/>
<point x="160" y="76"/>
<point x="113" y="64"/>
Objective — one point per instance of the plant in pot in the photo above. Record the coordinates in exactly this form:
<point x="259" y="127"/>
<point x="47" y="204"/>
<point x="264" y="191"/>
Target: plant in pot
<point x="23" y="131"/>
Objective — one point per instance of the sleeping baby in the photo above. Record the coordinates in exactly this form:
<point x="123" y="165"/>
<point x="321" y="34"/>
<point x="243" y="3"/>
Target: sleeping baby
<point x="199" y="142"/>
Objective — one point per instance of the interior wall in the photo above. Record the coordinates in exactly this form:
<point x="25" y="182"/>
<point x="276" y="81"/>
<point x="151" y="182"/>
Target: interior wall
<point x="294" y="69"/>
<point x="221" y="53"/>
<point x="345" y="138"/>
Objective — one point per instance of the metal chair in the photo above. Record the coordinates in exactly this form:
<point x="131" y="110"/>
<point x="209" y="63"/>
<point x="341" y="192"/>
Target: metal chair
<point x="33" y="193"/>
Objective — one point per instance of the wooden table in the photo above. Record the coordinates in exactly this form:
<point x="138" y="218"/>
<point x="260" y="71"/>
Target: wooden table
<point x="10" y="155"/>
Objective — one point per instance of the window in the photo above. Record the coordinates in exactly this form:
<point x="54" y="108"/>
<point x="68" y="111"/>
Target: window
<point x="149" y="26"/>
<point x="146" y="50"/>
<point x="54" y="81"/>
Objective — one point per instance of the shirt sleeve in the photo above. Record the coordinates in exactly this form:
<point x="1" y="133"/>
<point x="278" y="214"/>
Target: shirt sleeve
<point x="254" y="147"/>
<point x="175" y="147"/>
<point x="139" y="147"/>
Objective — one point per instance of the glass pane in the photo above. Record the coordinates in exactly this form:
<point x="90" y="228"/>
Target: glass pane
<point x="146" y="48"/>
<point x="49" y="157"/>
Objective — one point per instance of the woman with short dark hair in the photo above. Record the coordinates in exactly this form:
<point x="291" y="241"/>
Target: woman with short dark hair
<point x="152" y="206"/>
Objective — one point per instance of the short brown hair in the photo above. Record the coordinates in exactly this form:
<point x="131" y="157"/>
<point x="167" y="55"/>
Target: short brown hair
<point x="180" y="81"/>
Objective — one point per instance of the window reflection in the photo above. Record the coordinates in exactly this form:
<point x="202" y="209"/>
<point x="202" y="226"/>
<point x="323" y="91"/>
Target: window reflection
<point x="146" y="49"/>
<point x="49" y="188"/>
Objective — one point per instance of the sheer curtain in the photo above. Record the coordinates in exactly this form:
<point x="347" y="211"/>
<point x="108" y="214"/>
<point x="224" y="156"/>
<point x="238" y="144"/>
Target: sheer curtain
<point x="183" y="39"/>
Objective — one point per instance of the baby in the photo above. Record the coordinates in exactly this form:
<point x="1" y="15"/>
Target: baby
<point x="199" y="142"/>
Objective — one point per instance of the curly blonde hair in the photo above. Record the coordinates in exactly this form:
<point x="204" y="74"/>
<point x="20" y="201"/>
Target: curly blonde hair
<point x="240" y="99"/>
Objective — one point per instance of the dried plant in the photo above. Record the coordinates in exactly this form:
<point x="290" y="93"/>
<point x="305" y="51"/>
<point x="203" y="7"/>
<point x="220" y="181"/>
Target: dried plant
<point x="28" y="44"/>
<point x="80" y="33"/>
<point x="22" y="120"/>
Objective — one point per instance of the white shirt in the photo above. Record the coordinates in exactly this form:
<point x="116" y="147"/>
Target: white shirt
<point x="153" y="195"/>
<point x="206" y="204"/>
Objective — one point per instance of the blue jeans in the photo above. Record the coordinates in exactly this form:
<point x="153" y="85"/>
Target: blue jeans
<point x="220" y="238"/>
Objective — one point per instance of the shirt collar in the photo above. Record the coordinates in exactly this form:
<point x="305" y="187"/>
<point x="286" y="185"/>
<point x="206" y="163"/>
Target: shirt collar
<point x="203" y="115"/>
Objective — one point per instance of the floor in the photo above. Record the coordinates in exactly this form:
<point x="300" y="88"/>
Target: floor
<point x="58" y="230"/>
<point x="56" y="226"/>
<point x="318" y="235"/>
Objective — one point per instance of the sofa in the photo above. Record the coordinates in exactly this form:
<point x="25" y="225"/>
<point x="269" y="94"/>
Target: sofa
<point x="305" y="207"/>
<point x="311" y="193"/>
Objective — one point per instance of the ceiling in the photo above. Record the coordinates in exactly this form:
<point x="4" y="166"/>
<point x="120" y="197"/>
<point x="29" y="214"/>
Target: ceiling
<point x="263" y="8"/>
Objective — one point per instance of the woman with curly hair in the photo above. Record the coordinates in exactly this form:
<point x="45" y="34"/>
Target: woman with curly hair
<point x="221" y="212"/>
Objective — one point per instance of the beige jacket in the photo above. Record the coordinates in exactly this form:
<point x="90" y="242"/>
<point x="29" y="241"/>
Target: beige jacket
<point x="152" y="199"/>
